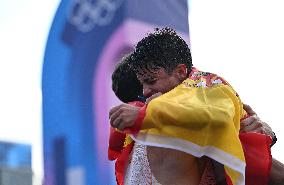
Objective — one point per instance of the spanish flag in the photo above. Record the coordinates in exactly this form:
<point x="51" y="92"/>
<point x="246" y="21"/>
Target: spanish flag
<point x="201" y="117"/>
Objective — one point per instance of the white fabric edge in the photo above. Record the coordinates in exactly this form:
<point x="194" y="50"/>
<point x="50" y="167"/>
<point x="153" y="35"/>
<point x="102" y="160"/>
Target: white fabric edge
<point x="195" y="150"/>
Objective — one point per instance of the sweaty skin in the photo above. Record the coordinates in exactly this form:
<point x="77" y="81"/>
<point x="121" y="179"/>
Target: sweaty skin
<point x="174" y="167"/>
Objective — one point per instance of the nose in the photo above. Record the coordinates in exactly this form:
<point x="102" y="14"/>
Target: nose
<point x="147" y="91"/>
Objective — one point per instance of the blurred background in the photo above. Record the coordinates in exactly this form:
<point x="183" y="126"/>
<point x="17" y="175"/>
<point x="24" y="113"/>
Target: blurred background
<point x="57" y="57"/>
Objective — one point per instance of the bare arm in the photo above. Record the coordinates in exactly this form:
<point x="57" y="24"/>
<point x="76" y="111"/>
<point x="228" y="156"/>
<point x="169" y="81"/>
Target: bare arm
<point x="277" y="173"/>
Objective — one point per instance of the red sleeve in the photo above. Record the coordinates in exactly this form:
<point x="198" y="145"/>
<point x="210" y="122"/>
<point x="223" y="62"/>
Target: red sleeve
<point x="258" y="157"/>
<point x="137" y="103"/>
<point x="116" y="142"/>
<point x="138" y="122"/>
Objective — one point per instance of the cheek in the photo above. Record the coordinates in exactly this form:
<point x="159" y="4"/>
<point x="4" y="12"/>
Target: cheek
<point x="159" y="87"/>
<point x="167" y="86"/>
<point x="171" y="84"/>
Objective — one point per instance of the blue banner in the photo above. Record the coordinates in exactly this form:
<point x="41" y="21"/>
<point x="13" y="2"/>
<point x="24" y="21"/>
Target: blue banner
<point x="86" y="40"/>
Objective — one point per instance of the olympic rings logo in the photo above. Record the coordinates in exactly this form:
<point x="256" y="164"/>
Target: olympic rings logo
<point x="85" y="14"/>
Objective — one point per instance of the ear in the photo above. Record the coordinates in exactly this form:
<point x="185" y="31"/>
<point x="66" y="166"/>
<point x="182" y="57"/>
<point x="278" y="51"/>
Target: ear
<point x="181" y="72"/>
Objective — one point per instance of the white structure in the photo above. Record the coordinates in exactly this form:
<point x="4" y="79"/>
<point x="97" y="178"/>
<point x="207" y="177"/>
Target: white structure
<point x="24" y="30"/>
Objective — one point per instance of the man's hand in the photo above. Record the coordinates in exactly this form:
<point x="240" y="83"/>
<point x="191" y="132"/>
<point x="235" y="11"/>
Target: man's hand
<point x="254" y="124"/>
<point x="123" y="116"/>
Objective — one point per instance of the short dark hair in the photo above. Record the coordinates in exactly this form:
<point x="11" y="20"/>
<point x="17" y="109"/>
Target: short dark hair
<point x="125" y="84"/>
<point x="161" y="49"/>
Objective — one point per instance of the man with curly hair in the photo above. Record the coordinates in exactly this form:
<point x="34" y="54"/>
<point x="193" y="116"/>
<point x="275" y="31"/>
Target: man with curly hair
<point x="162" y="62"/>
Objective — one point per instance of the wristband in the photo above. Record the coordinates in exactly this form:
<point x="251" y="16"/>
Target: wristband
<point x="274" y="139"/>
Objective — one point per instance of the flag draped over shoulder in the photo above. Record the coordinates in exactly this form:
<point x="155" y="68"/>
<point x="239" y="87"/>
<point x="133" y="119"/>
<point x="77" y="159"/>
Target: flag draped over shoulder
<point x="201" y="117"/>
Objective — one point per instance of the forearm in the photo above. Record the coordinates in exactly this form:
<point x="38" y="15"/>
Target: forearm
<point x="277" y="173"/>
